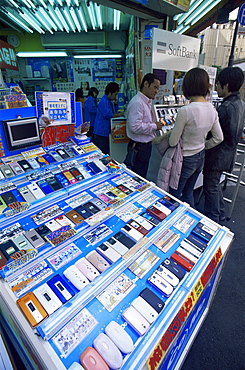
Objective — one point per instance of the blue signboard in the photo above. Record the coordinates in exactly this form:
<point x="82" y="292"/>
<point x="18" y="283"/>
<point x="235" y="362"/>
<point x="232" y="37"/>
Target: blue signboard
<point x="241" y="15"/>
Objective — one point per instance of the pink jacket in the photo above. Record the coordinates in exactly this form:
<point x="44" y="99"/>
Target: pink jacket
<point x="171" y="164"/>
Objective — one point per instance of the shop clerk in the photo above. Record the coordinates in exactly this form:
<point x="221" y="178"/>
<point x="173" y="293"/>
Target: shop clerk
<point x="105" y="111"/>
<point x="90" y="109"/>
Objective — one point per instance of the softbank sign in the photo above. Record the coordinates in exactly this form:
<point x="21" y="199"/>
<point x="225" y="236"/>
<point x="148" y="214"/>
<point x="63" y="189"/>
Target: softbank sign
<point x="172" y="51"/>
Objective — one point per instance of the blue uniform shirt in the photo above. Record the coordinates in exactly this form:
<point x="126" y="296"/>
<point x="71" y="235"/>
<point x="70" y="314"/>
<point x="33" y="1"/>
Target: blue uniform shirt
<point x="105" y="112"/>
<point x="90" y="110"/>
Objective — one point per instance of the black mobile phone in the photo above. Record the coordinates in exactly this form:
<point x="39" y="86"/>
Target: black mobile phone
<point x="42" y="230"/>
<point x="152" y="299"/>
<point x="8" y="197"/>
<point x="25" y="165"/>
<point x="8" y="248"/>
<point x="52" y="181"/>
<point x="174" y="268"/>
<point x="85" y="213"/>
<point x="74" y="171"/>
<point x="91" y="207"/>
<point x="62" y="153"/>
<point x="93" y="167"/>
<point x="124" y="239"/>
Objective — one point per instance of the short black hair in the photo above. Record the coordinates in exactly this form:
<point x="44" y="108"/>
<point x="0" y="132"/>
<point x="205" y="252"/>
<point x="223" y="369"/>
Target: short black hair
<point x="79" y="93"/>
<point x="92" y="90"/>
<point x="233" y="76"/>
<point x="150" y="78"/>
<point x="195" y="83"/>
<point x="112" y="87"/>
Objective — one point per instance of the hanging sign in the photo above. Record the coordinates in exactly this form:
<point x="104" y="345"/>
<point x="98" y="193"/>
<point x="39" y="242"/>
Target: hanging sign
<point x="7" y="56"/>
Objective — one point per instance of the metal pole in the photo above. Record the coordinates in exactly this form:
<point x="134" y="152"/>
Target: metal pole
<point x="231" y="58"/>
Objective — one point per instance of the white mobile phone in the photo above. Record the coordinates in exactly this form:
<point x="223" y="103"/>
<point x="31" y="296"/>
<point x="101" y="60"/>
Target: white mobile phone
<point x="136" y="320"/>
<point x="97" y="260"/>
<point x="167" y="275"/>
<point x="161" y="284"/>
<point x="120" y="337"/>
<point x="53" y="225"/>
<point x="76" y="277"/>
<point x="47" y="298"/>
<point x="108" y="252"/>
<point x="87" y="268"/>
<point x="36" y="191"/>
<point x="145" y="309"/>
<point x="133" y="233"/>
<point x="162" y="208"/>
<point x="186" y="254"/>
<point x="117" y="246"/>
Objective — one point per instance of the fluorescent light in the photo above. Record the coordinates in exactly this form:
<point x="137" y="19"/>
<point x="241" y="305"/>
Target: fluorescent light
<point x="48" y="19"/>
<point x="14" y="3"/>
<point x="32" y="23"/>
<point x="43" y="22"/>
<point x="55" y="18"/>
<point x="75" y="19"/>
<point x="91" y="14"/>
<point x="61" y="18"/>
<point x="190" y="11"/>
<point x="69" y="20"/>
<point x="19" y="22"/>
<point x="117" y="15"/>
<point x="97" y="56"/>
<point x="38" y="54"/>
<point x="98" y="15"/>
<point x="82" y="20"/>
<point x="43" y="4"/>
<point x="206" y="10"/>
<point x="200" y="10"/>
<point x="26" y="3"/>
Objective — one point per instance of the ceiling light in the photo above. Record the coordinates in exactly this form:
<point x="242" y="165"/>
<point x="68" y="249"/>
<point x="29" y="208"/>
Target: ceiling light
<point x="32" y="23"/>
<point x="82" y="20"/>
<point x="75" y="19"/>
<point x="91" y="14"/>
<point x="38" y="54"/>
<point x="19" y="22"/>
<point x="98" y="15"/>
<point x="61" y="18"/>
<point x="43" y="22"/>
<point x="48" y="19"/>
<point x="98" y="56"/>
<point x="69" y="19"/>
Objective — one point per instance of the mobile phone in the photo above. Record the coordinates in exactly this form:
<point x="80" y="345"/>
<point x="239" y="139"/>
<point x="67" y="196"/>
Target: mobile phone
<point x="83" y="212"/>
<point x="154" y="221"/>
<point x="197" y="241"/>
<point x="78" y="176"/>
<point x="36" y="191"/>
<point x="8" y="197"/>
<point x="91" y="359"/>
<point x="98" y="203"/>
<point x="91" y="207"/>
<point x="132" y="232"/>
<point x="16" y="168"/>
<point x="93" y="167"/>
<point x="76" y="277"/>
<point x="171" y="201"/>
<point x="138" y="227"/>
<point x="108" y="351"/>
<point x="33" y="163"/>
<point x="156" y="213"/>
<point x="55" y="185"/>
<point x="64" y="221"/>
<point x="25" y="165"/>
<point x="2" y="177"/>
<point x="32" y="308"/>
<point x="182" y="261"/>
<point x="120" y="337"/>
<point x="7" y="171"/>
<point x="34" y="238"/>
<point x="27" y="194"/>
<point x="146" y="310"/>
<point x="59" y="286"/>
<point x="78" y="149"/>
<point x="55" y="155"/>
<point x="167" y="275"/>
<point x="136" y="320"/>
<point x="124" y="239"/>
<point x="48" y="158"/>
<point x="3" y="205"/>
<point x="144" y="223"/>
<point x="45" y="187"/>
<point x="22" y="242"/>
<point x="174" y="268"/>
<point x="150" y="297"/>
<point x="74" y="216"/>
<point x="69" y="177"/>
<point x="124" y="189"/>
<point x="69" y="151"/>
<point x="87" y="268"/>
<point x="42" y="230"/>
<point x="162" y="208"/>
<point x="118" y="246"/>
<point x="3" y="259"/>
<point x="61" y="180"/>
<point x="62" y="153"/>
<point x="53" y="225"/>
<point x="183" y="252"/>
<point x="47" y="298"/>
<point x="108" y="252"/>
<point x="97" y="260"/>
<point x="191" y="248"/>
<point x="161" y="284"/>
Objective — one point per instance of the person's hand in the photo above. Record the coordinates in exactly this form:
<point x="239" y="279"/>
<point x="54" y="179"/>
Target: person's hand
<point x="119" y="114"/>
<point x="159" y="125"/>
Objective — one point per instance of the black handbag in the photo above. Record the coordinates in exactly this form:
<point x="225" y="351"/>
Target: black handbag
<point x="129" y="161"/>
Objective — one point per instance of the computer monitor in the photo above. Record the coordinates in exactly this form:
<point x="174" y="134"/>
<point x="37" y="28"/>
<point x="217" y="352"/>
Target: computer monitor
<point x="21" y="133"/>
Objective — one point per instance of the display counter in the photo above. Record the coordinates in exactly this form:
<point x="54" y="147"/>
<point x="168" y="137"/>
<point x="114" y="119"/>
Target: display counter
<point x="137" y="263"/>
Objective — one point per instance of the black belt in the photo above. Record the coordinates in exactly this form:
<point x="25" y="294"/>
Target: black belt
<point x="136" y="142"/>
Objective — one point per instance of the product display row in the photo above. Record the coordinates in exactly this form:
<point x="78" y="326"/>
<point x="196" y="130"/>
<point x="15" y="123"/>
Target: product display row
<point x="96" y="271"/>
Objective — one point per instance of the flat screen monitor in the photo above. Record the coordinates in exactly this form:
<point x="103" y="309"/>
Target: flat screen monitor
<point x="22" y="133"/>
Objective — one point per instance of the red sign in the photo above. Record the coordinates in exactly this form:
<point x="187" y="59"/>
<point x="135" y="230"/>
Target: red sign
<point x="7" y="56"/>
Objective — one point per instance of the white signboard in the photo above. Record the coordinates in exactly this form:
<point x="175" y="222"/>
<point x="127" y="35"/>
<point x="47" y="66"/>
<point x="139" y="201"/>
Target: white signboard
<point x="173" y="51"/>
<point x="211" y="71"/>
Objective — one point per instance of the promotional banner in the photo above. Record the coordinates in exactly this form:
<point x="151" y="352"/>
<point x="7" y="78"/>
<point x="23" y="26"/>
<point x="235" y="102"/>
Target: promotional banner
<point x="7" y="56"/>
<point x="173" y="51"/>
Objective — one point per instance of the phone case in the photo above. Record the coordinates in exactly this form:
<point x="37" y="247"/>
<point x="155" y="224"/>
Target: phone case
<point x="54" y="183"/>
<point x="32" y="309"/>
<point x="22" y="242"/>
<point x="16" y="168"/>
<point x="108" y="252"/>
<point x="92" y="360"/>
<point x="7" y="171"/>
<point x="150" y="297"/>
<point x="45" y="187"/>
<point x="146" y="310"/>
<point x="8" y="197"/>
<point x="60" y="287"/>
<point x="36" y="191"/>
<point x="75" y="216"/>
<point x="156" y="213"/>
<point x="118" y="246"/>
<point x="136" y="320"/>
<point x="119" y="337"/>
<point x="174" y="268"/>
<point x="182" y="261"/>
<point x="34" y="238"/>
<point x="167" y="275"/>
<point x="108" y="351"/>
<point x="98" y="261"/>
<point x="47" y="298"/>
<point x="124" y="239"/>
<point x="87" y="268"/>
<point x="8" y="248"/>
<point x="161" y="284"/>
<point x="76" y="277"/>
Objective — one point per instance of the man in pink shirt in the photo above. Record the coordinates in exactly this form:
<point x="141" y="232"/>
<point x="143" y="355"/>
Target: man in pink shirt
<point x="141" y="126"/>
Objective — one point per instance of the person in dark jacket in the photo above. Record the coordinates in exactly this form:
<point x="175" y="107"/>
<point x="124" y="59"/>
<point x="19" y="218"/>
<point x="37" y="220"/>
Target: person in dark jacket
<point x="221" y="158"/>
<point x="90" y="109"/>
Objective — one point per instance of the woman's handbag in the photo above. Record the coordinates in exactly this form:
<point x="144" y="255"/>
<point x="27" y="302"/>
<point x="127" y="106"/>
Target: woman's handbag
<point x="129" y="161"/>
